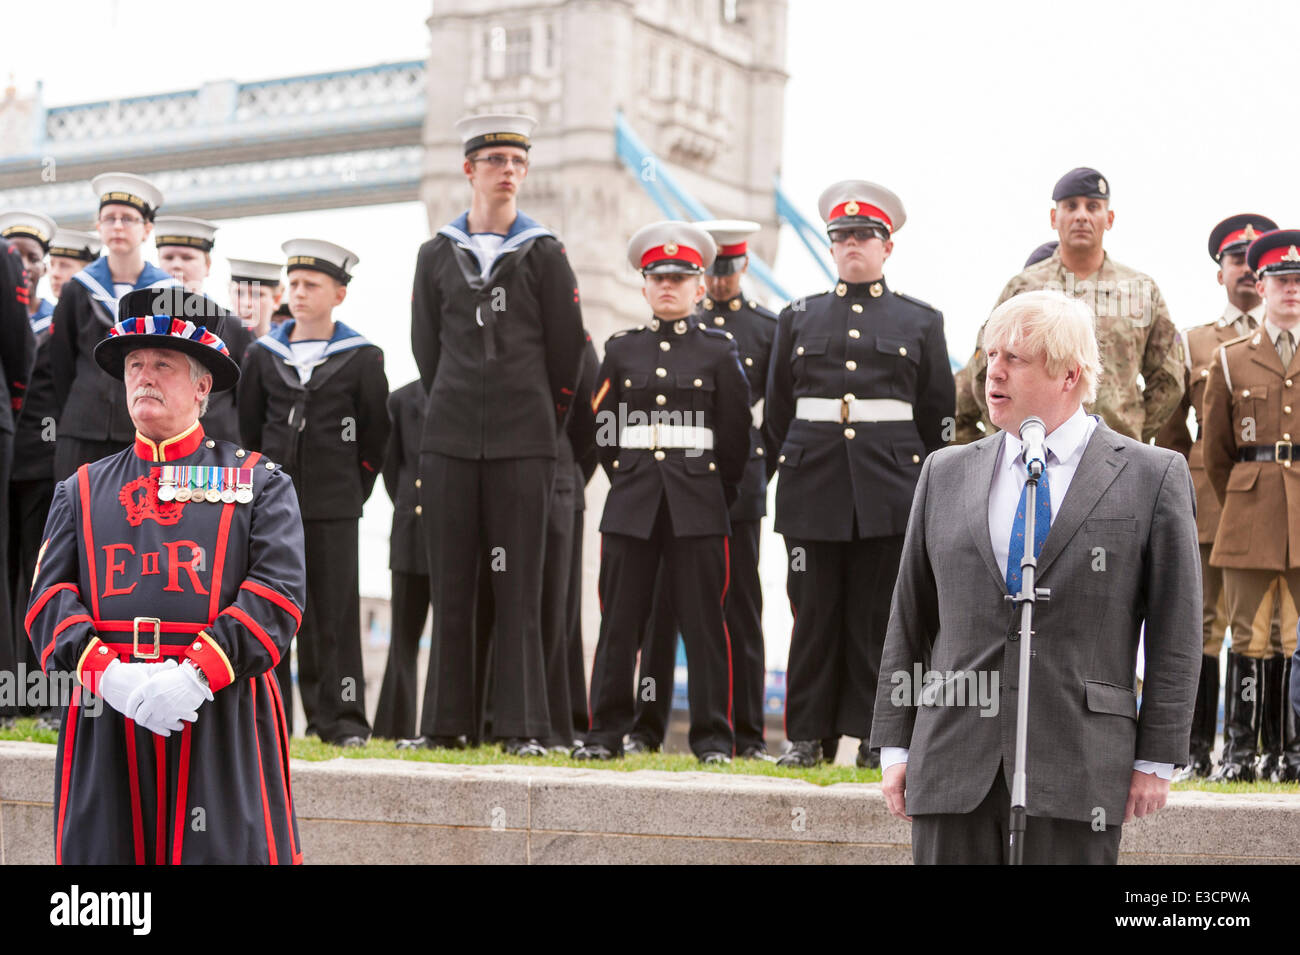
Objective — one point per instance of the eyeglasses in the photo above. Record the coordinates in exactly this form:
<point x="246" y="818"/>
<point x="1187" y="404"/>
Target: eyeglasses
<point x="497" y="161"/>
<point x="861" y="235"/>
<point x="120" y="220"/>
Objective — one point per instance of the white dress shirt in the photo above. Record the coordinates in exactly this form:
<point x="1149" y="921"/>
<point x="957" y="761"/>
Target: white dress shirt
<point x="1064" y="447"/>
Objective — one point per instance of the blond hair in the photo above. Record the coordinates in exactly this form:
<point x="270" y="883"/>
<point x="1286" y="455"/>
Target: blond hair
<point x="1052" y="324"/>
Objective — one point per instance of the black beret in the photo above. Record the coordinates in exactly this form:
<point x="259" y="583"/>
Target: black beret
<point x="1042" y="252"/>
<point x="1081" y="182"/>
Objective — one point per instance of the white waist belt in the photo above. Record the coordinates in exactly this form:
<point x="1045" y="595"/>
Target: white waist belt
<point x="845" y="410"/>
<point x="651" y="436"/>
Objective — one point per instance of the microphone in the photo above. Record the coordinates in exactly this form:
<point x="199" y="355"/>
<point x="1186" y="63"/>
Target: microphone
<point x="1033" y="433"/>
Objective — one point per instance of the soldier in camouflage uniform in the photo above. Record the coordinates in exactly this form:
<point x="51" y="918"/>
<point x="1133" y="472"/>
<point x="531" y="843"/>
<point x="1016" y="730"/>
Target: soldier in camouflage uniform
<point x="1134" y="330"/>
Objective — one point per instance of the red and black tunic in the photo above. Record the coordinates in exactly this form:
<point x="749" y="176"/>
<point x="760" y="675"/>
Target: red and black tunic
<point x="221" y="584"/>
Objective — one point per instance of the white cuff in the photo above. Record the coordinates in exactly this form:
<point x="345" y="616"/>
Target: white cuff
<point x="892" y="756"/>
<point x="1163" y="770"/>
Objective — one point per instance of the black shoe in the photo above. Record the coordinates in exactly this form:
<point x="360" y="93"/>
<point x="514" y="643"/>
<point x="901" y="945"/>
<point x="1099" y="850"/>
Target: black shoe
<point x="715" y="759"/>
<point x="806" y="753"/>
<point x="1290" y="769"/>
<point x="518" y="746"/>
<point x="867" y="757"/>
<point x="1201" y="767"/>
<point x="434" y="742"/>
<point x="351" y="742"/>
<point x="1241" y="717"/>
<point x="633" y="745"/>
<point x="757" y="752"/>
<point x="594" y="751"/>
<point x="830" y="748"/>
<point x="1205" y="718"/>
<point x="1273" y="700"/>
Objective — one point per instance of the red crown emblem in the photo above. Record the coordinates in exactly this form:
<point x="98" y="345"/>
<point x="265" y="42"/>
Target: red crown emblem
<point x="140" y="498"/>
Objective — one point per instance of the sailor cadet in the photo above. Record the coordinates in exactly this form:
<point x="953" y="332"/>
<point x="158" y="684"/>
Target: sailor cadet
<point x="255" y="291"/>
<point x="313" y="396"/>
<point x="672" y="429"/>
<point x="171" y="613"/>
<point x="185" y="249"/>
<point x="70" y="252"/>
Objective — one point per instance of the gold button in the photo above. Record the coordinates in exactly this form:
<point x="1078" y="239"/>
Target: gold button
<point x="240" y="453"/>
<point x="749" y="363"/>
<point x="660" y="399"/>
<point x="856" y="307"/>
<point x="799" y="350"/>
<point x="1246" y="393"/>
<point x="659" y="455"/>
<point x="627" y="382"/>
<point x="902" y="351"/>
<point x="850" y="433"/>
<point x="759" y="450"/>
<point x="103" y="650"/>
<point x="419" y="510"/>
<point x="1286" y="437"/>
<point x="212" y="444"/>
<point x="197" y="646"/>
<point x="780" y="459"/>
<point x="417" y="482"/>
<point x="854" y="333"/>
<point x="699" y="383"/>
<point x="848" y="397"/>
<point x="851" y="365"/>
<point x="270" y="466"/>
<point x="916" y="459"/>
<point x="1288" y="382"/>
<point x="661" y="372"/>
<point x="615" y="464"/>
<point x="664" y="346"/>
<point x="719" y="320"/>
<point x="841" y="289"/>
<point x="1286" y="408"/>
<point x="712" y="466"/>
<point x="1205" y="373"/>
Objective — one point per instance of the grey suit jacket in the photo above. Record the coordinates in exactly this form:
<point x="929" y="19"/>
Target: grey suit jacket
<point x="1122" y="552"/>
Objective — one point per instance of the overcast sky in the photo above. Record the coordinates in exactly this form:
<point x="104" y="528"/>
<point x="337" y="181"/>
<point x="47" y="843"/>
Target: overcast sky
<point x="970" y="112"/>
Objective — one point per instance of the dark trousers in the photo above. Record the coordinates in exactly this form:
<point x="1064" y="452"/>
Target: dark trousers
<point x="573" y="608"/>
<point x="745" y="627"/>
<point x="330" y="675"/>
<point x="556" y="576"/>
<point x="981" y="837"/>
<point x="492" y="510"/>
<point x="72" y="453"/>
<point x="696" y="577"/>
<point x="395" y="717"/>
<point x="840" y="593"/>
<point x="29" y="505"/>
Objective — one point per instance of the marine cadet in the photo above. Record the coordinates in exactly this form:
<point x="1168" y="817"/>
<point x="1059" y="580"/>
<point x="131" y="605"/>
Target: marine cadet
<point x="858" y="394"/>
<point x="185" y="252"/>
<point x="70" y="252"/>
<point x="1250" y="419"/>
<point x="31" y="484"/>
<point x="313" y="397"/>
<point x="1242" y="314"/>
<point x="170" y="581"/>
<point x="94" y="421"/>
<point x="496" y="330"/>
<point x="672" y="428"/>
<point x="255" y="292"/>
<point x="1133" y="325"/>
<point x="585" y="464"/>
<point x="407" y="561"/>
<point x="754" y="328"/>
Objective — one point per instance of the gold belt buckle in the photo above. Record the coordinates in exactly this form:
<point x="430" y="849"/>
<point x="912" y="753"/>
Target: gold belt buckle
<point x="156" y="623"/>
<point x="654" y="437"/>
<point x="1277" y="452"/>
<point x="844" y="411"/>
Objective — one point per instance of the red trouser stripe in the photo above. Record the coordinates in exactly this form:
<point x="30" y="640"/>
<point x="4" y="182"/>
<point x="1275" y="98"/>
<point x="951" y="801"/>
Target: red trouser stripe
<point x="261" y="777"/>
<point x="160" y="814"/>
<point x="133" y="771"/>
<point x="70" y="721"/>
<point x="282" y="743"/>
<point x="731" y="676"/>
<point x="182" y="794"/>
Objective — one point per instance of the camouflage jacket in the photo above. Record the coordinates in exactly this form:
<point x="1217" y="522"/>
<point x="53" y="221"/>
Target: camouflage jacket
<point x="1134" y="333"/>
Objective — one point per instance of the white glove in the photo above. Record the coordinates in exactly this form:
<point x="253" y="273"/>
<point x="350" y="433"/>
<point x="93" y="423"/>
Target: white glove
<point x="167" y="699"/>
<point x="119" y="681"/>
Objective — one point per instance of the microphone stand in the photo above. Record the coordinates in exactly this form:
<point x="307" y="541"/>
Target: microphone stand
<point x="1025" y="601"/>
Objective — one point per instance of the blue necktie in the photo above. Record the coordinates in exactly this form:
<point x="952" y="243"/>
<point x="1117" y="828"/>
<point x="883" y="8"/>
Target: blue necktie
<point x="1042" y="524"/>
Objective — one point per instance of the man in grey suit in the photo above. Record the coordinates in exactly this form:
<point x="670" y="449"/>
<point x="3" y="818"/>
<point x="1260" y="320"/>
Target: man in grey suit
<point x="1116" y="544"/>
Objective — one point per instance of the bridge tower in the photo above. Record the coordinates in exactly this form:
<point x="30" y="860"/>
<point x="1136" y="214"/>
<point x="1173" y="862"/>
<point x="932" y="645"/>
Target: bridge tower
<point x="700" y="81"/>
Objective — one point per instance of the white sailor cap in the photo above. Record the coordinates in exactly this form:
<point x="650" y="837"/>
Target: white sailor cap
<point x="731" y="236"/>
<point x="126" y="189"/>
<point x="855" y="203"/>
<point x="33" y="225"/>
<point x="247" y="270"/>
<point x="671" y="246"/>
<point x="495" y="129"/>
<point x="186" y="231"/>
<point x="334" y="260"/>
<point x="71" y="244"/>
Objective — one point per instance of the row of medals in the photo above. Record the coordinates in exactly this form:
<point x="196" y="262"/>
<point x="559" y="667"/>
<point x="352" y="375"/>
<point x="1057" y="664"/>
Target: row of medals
<point x="200" y="483"/>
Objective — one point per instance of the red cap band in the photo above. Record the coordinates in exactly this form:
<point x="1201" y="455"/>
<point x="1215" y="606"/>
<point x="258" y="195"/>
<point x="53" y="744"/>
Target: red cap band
<point x="672" y="250"/>
<point x="854" y="208"/>
<point x="1246" y="235"/>
<point x="740" y="248"/>
<point x="1279" y="254"/>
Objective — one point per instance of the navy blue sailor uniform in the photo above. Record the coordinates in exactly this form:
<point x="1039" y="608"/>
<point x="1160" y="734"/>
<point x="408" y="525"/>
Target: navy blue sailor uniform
<point x="858" y="393"/>
<point x="668" y="500"/>
<point x="754" y="330"/>
<point x="498" y="345"/>
<point x="395" y="717"/>
<point x="124" y="575"/>
<point x="92" y="410"/>
<point x="329" y="433"/>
